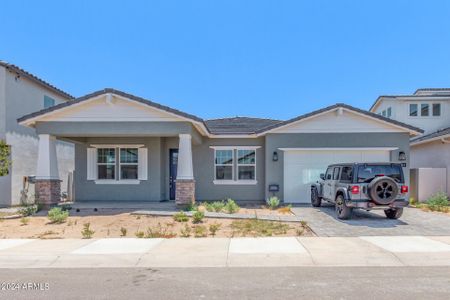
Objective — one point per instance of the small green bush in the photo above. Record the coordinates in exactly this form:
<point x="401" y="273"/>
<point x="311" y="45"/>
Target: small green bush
<point x="200" y="231"/>
<point x="273" y="202"/>
<point x="123" y="231"/>
<point x="159" y="231"/>
<point x="438" y="202"/>
<point x="216" y="206"/>
<point x="185" y="231"/>
<point x="87" y="232"/>
<point x="139" y="234"/>
<point x="231" y="207"/>
<point x="181" y="217"/>
<point x="57" y="215"/>
<point x="213" y="228"/>
<point x="197" y="217"/>
<point x="28" y="210"/>
<point x="191" y="207"/>
<point x="24" y="221"/>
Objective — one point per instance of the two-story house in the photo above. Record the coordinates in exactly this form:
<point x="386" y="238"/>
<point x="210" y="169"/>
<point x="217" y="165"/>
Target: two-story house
<point x="22" y="93"/>
<point x="428" y="109"/>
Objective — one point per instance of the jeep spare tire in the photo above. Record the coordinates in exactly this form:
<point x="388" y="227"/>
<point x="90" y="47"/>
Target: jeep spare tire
<point x="383" y="190"/>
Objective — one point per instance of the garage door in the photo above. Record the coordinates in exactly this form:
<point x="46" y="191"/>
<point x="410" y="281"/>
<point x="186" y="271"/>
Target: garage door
<point x="303" y="167"/>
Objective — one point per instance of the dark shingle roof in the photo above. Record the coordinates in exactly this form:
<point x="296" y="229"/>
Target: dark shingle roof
<point x="112" y="91"/>
<point x="433" y="135"/>
<point x="361" y="111"/>
<point x="35" y="79"/>
<point x="238" y="125"/>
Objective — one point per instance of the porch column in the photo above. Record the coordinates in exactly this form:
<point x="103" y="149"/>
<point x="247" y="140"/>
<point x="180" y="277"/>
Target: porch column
<point x="185" y="183"/>
<point x="48" y="184"/>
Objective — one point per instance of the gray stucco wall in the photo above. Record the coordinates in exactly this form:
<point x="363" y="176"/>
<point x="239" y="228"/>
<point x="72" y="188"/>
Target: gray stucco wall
<point x="203" y="158"/>
<point x="147" y="190"/>
<point x="274" y="170"/>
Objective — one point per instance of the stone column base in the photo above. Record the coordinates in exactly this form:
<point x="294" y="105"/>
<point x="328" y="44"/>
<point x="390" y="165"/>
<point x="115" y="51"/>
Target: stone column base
<point x="47" y="191"/>
<point x="185" y="192"/>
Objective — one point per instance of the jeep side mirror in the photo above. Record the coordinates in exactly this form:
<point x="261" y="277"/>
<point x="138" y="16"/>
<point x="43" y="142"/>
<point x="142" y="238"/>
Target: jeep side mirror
<point x="322" y="176"/>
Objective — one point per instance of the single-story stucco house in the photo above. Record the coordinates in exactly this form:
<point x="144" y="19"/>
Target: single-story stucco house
<point x="130" y="148"/>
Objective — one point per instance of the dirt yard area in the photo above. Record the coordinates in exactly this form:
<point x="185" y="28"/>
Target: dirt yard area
<point x="116" y="224"/>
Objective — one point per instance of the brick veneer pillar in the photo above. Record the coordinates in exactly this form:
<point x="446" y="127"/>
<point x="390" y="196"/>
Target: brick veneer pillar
<point x="48" y="191"/>
<point x="185" y="192"/>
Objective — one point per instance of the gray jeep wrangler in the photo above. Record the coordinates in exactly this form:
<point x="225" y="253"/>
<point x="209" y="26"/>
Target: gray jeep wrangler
<point x="362" y="185"/>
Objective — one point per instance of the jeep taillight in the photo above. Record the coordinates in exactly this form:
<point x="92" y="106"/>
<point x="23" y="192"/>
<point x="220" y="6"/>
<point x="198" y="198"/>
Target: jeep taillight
<point x="404" y="189"/>
<point x="355" y="189"/>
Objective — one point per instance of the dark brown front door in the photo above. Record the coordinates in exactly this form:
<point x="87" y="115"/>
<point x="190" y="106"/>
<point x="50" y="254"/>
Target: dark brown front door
<point x="173" y="163"/>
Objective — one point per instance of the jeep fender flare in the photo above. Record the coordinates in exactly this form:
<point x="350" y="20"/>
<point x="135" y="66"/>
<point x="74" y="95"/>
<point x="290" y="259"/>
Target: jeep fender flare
<point x="344" y="193"/>
<point x="318" y="187"/>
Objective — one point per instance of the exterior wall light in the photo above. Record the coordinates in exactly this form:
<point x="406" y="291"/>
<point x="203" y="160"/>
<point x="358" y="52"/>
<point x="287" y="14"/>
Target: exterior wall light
<point x="402" y="156"/>
<point x="275" y="156"/>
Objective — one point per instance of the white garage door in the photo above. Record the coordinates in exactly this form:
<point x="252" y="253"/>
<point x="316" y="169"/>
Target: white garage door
<point x="303" y="167"/>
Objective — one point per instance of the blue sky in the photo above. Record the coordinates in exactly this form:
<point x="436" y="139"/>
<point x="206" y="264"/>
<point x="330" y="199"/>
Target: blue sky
<point x="275" y="59"/>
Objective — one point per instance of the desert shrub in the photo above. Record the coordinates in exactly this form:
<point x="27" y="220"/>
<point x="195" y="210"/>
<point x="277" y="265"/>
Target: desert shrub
<point x="5" y="158"/>
<point x="139" y="234"/>
<point x="200" y="231"/>
<point x="303" y="223"/>
<point x="159" y="231"/>
<point x="28" y="210"/>
<point x="197" y="217"/>
<point x="57" y="215"/>
<point x="181" y="217"/>
<point x="185" y="231"/>
<point x="24" y="221"/>
<point x="299" y="231"/>
<point x="213" y="228"/>
<point x="123" y="231"/>
<point x="256" y="227"/>
<point x="231" y="207"/>
<point x="87" y="232"/>
<point x="412" y="201"/>
<point x="216" y="206"/>
<point x="285" y="209"/>
<point x="273" y="202"/>
<point x="438" y="202"/>
<point x="191" y="207"/>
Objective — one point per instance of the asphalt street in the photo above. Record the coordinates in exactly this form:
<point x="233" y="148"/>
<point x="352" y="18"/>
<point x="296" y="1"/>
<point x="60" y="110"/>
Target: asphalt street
<point x="228" y="283"/>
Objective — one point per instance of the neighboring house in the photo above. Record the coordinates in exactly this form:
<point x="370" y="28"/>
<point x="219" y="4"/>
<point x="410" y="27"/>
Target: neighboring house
<point x="428" y="109"/>
<point x="130" y="148"/>
<point x="22" y="93"/>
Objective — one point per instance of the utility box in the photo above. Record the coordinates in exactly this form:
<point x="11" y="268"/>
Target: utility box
<point x="425" y="182"/>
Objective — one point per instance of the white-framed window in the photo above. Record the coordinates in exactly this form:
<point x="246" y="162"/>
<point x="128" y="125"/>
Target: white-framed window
<point x="436" y="109"/>
<point x="106" y="164"/>
<point x="117" y="164"/>
<point x="224" y="164"/>
<point x="383" y="113"/>
<point x="128" y="164"/>
<point x="389" y="112"/>
<point x="425" y="110"/>
<point x="48" y="102"/>
<point x="235" y="164"/>
<point x="413" y="110"/>
<point x="246" y="164"/>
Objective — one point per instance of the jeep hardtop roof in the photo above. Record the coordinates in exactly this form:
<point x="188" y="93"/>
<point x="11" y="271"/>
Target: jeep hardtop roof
<point x="364" y="163"/>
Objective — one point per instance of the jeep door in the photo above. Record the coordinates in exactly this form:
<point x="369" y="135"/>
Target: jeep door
<point x="332" y="183"/>
<point x="327" y="183"/>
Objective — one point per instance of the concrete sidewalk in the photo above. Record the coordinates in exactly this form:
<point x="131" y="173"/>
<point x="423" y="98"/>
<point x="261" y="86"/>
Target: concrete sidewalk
<point x="227" y="252"/>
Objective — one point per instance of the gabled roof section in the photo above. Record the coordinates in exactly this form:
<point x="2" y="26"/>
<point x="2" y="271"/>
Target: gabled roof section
<point x="419" y="93"/>
<point x="440" y="134"/>
<point x="105" y="92"/>
<point x="407" y="127"/>
<point x="238" y="125"/>
<point x="35" y="79"/>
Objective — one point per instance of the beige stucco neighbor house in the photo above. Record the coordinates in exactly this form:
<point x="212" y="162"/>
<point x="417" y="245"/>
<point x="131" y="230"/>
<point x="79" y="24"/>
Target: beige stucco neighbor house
<point x="22" y="93"/>
<point x="428" y="109"/>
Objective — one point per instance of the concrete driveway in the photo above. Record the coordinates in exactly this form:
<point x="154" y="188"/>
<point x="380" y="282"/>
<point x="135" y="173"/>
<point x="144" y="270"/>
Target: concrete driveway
<point x="323" y="222"/>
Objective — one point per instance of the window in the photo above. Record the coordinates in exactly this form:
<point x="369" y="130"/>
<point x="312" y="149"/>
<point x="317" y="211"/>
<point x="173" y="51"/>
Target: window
<point x="106" y="163"/>
<point x="48" y="102"/>
<point x="383" y="113"/>
<point x="328" y="174"/>
<point x="346" y="174"/>
<point x="336" y="173"/>
<point x="246" y="160"/>
<point x="224" y="164"/>
<point x="436" y="109"/>
<point x="424" y="110"/>
<point x="128" y="163"/>
<point x="413" y="110"/>
<point x="389" y="112"/>
<point x="368" y="172"/>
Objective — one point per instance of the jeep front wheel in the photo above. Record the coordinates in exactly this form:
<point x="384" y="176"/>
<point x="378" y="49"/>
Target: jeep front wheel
<point x="316" y="201"/>
<point x="343" y="212"/>
<point x="393" y="213"/>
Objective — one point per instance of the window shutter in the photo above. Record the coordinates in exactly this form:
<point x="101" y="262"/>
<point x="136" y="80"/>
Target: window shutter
<point x="142" y="163"/>
<point x="91" y="163"/>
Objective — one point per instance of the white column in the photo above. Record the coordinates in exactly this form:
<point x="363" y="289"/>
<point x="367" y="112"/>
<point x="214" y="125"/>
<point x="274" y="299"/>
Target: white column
<point x="47" y="165"/>
<point x="185" y="170"/>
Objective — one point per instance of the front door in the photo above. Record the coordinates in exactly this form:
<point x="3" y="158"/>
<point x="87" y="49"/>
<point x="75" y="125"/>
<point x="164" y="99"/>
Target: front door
<point x="173" y="163"/>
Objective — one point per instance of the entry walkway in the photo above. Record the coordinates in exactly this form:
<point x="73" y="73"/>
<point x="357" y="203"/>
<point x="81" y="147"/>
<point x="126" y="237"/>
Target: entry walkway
<point x="227" y="252"/>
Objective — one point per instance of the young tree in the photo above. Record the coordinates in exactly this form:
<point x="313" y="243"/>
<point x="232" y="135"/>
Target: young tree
<point x="5" y="161"/>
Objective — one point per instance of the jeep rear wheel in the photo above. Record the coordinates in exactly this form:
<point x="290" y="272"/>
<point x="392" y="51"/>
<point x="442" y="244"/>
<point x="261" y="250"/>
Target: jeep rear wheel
<point x="393" y="213"/>
<point x="343" y="212"/>
<point x="316" y="201"/>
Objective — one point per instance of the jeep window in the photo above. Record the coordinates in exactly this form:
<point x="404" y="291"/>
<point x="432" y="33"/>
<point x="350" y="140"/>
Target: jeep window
<point x="368" y="172"/>
<point x="346" y="174"/>
<point x="336" y="173"/>
<point x="328" y="174"/>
